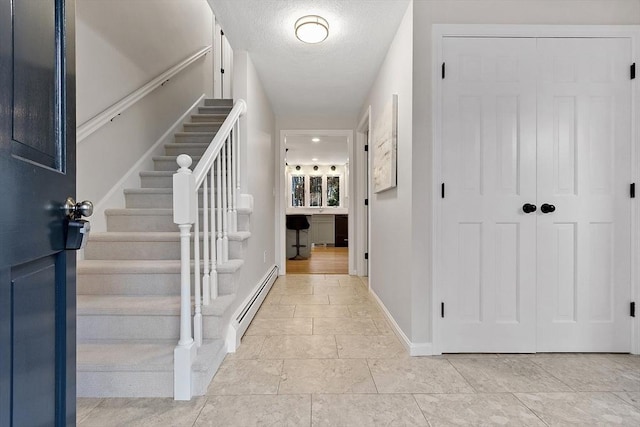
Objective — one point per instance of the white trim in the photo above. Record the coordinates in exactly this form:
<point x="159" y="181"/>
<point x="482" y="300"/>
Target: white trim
<point x="361" y="213"/>
<point x="99" y="120"/>
<point x="251" y="304"/>
<point x="439" y="31"/>
<point x="115" y="196"/>
<point x="282" y="199"/>
<point x="414" y="349"/>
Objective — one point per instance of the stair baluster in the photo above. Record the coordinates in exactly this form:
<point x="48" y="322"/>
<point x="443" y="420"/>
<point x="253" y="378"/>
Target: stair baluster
<point x="211" y="239"/>
<point x="219" y="197"/>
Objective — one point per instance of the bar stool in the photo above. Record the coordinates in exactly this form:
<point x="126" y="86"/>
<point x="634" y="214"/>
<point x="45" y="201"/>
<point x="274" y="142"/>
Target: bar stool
<point x="297" y="222"/>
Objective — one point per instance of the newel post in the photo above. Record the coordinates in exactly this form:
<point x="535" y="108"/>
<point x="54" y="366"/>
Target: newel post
<point x="184" y="215"/>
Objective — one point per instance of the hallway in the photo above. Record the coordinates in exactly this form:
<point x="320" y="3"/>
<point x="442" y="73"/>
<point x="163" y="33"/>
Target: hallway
<point x="323" y="260"/>
<point x="320" y="352"/>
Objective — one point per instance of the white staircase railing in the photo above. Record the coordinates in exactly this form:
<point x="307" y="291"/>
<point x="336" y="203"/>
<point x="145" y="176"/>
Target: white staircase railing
<point x="217" y="178"/>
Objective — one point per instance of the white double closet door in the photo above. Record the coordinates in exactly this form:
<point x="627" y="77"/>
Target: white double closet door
<point x="537" y="121"/>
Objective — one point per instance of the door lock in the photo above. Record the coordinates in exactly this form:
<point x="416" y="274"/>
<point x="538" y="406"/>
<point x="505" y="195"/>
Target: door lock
<point x="77" y="230"/>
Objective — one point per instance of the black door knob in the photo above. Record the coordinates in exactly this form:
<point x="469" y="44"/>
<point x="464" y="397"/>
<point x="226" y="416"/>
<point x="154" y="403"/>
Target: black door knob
<point x="547" y="208"/>
<point x="528" y="208"/>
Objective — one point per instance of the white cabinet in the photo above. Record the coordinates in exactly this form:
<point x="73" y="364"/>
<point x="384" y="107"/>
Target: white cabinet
<point x="322" y="229"/>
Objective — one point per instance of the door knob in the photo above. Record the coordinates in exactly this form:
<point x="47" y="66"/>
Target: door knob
<point x="528" y="208"/>
<point x="547" y="208"/>
<point x="75" y="210"/>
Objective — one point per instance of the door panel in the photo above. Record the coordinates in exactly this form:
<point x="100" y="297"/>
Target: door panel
<point x="542" y="121"/>
<point x="488" y="163"/>
<point x="584" y="170"/>
<point x="37" y="172"/>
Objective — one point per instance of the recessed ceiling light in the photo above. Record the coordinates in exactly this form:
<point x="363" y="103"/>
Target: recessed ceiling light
<point x="315" y="159"/>
<point x="315" y="139"/>
<point x="312" y="29"/>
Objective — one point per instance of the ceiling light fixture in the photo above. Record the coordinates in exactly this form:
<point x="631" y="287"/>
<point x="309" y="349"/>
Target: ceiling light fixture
<point x="315" y="139"/>
<point x="312" y="29"/>
<point x="315" y="159"/>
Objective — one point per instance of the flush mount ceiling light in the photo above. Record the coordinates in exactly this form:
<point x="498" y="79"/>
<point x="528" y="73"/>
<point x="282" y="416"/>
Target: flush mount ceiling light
<point x="315" y="139"/>
<point x="312" y="29"/>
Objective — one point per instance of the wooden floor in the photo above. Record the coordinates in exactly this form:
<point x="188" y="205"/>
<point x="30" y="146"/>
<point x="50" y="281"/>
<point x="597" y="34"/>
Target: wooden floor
<point x="323" y="260"/>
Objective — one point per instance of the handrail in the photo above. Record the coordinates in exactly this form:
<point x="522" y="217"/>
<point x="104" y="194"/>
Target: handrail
<point x="99" y="120"/>
<point x="206" y="162"/>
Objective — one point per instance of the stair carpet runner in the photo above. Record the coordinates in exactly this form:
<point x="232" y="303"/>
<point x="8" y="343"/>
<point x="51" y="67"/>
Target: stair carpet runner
<point x="129" y="283"/>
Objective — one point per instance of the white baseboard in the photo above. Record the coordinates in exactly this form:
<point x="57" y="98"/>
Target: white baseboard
<point x="115" y="196"/>
<point x="414" y="349"/>
<point x="243" y="316"/>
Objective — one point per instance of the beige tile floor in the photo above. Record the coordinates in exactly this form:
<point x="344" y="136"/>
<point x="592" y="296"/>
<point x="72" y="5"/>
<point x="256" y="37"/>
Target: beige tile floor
<point x="320" y="353"/>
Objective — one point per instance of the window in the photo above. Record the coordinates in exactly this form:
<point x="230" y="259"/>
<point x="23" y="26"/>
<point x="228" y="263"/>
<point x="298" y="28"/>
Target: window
<point x="297" y="191"/>
<point x="315" y="191"/>
<point x="317" y="187"/>
<point x="333" y="191"/>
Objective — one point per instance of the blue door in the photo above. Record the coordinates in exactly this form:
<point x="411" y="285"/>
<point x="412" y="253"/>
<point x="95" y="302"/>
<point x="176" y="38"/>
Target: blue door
<point x="37" y="174"/>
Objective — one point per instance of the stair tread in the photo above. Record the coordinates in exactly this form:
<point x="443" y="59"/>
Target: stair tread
<point x="135" y="355"/>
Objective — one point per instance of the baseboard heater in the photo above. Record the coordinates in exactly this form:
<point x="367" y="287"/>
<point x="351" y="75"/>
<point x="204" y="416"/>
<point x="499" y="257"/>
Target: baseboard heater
<point x="243" y="316"/>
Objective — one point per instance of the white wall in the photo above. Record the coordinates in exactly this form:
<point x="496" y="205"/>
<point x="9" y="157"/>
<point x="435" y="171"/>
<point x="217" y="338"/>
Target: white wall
<point x="403" y="282"/>
<point x="258" y="142"/>
<point x="120" y="46"/>
<point x="390" y="258"/>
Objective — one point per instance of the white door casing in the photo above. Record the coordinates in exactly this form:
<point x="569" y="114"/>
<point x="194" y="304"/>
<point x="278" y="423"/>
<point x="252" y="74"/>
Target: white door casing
<point x="516" y="282"/>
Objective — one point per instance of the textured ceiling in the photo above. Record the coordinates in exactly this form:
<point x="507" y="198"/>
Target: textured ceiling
<point x="330" y="150"/>
<point x="329" y="79"/>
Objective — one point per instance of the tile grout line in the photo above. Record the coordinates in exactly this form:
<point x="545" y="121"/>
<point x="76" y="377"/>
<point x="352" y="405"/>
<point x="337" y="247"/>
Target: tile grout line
<point x="462" y="376"/>
<point x="92" y="409"/>
<point x="200" y="411"/>
<point x="530" y="409"/>
<point x="372" y="377"/>
<point x="420" y="409"/>
<point x="551" y="375"/>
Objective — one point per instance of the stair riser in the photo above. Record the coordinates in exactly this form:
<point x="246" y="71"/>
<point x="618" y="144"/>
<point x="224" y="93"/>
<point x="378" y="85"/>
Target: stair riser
<point x="124" y="384"/>
<point x="202" y="127"/>
<point x="141" y="223"/>
<point x="214" y="110"/>
<point x="151" y="201"/>
<point x="218" y="103"/>
<point x="133" y="250"/>
<point x="237" y="249"/>
<point x="151" y="181"/>
<point x="162" y="250"/>
<point x="208" y="118"/>
<point x="193" y="138"/>
<point x="145" y="284"/>
<point x="164" y="327"/>
<point x="244" y="222"/>
<point x="129" y="284"/>
<point x="156" y="181"/>
<point x="192" y="151"/>
<point x="169" y="165"/>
